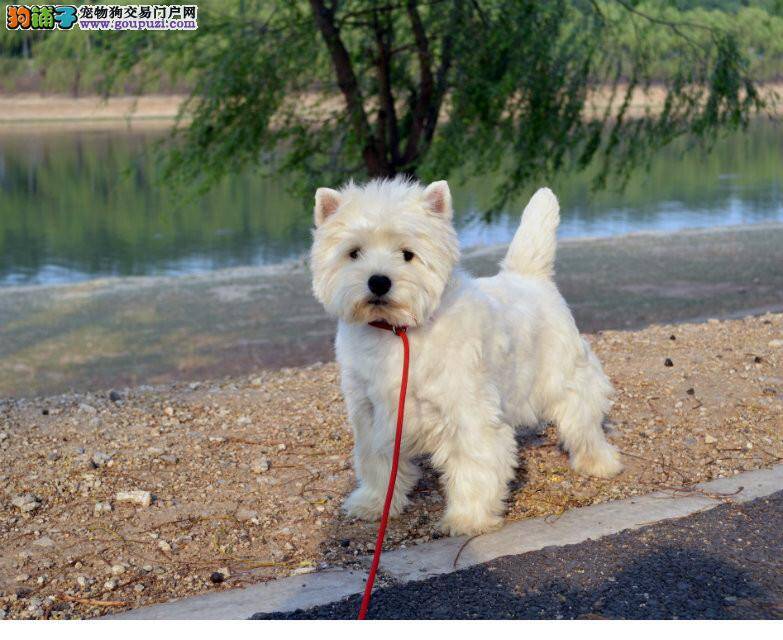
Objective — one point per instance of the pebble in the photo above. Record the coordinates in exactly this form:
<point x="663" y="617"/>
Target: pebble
<point x="111" y="584"/>
<point x="243" y="514"/>
<point x="118" y="569"/>
<point x="100" y="459"/>
<point x="54" y="456"/>
<point x="261" y="465"/>
<point x="115" y="396"/>
<point x="3" y="436"/>
<point x="668" y="362"/>
<point x="216" y="577"/>
<point x="23" y="577"/>
<point x="775" y="344"/>
<point x="710" y="439"/>
<point x="87" y="408"/>
<point x="303" y="570"/>
<point x="141" y="498"/>
<point x="84" y="582"/>
<point x="44" y="541"/>
<point x="26" y="503"/>
<point x="163" y="545"/>
<point x="101" y="507"/>
<point x="138" y="588"/>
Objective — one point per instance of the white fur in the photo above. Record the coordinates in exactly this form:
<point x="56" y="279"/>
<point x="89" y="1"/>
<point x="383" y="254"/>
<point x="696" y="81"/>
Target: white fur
<point x="487" y="354"/>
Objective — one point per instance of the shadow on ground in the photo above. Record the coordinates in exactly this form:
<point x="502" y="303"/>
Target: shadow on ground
<point x="721" y="564"/>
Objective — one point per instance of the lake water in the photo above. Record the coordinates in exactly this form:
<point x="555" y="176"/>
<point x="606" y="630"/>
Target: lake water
<point x="81" y="205"/>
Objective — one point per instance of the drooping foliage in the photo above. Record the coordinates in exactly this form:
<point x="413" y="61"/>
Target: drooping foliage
<point x="326" y="90"/>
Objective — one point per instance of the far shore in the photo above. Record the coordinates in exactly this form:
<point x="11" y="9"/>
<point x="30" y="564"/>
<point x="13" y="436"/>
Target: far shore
<point x="149" y="112"/>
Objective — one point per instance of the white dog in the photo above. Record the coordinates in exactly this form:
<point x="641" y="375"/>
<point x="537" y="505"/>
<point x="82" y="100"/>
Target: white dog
<point x="487" y="354"/>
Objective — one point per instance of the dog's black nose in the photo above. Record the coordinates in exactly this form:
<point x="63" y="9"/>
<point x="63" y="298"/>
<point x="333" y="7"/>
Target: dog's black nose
<point x="379" y="285"/>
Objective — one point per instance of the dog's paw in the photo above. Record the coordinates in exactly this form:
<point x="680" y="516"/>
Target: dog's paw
<point x="601" y="463"/>
<point x="468" y="524"/>
<point x="366" y="504"/>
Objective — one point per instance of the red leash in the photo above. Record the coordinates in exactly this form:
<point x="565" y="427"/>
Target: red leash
<point x="376" y="558"/>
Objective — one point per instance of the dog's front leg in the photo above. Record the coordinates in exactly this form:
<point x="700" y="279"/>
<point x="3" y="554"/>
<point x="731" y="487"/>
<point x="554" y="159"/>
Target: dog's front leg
<point x="477" y="462"/>
<point x="373" y="449"/>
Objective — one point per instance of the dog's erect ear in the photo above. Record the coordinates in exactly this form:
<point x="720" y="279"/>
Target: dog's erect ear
<point x="326" y="203"/>
<point x="438" y="198"/>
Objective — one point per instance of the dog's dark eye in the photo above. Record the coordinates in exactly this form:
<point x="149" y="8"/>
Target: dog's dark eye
<point x="354" y="254"/>
<point x="408" y="255"/>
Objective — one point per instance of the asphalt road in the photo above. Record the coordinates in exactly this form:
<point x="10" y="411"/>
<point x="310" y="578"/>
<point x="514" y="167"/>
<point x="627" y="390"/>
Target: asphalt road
<point x="725" y="563"/>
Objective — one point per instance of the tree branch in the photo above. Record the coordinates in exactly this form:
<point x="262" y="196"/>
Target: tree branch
<point x="387" y="128"/>
<point x="349" y="86"/>
<point x="426" y="85"/>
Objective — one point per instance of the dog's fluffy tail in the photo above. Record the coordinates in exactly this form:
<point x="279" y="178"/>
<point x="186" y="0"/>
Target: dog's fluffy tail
<point x="532" y="251"/>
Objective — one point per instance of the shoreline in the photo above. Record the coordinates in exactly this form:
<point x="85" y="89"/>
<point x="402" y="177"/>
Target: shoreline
<point x="117" y="333"/>
<point x="299" y="263"/>
<point x="154" y="111"/>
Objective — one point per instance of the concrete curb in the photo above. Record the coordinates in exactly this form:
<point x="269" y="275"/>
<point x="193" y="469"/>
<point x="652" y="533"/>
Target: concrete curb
<point x="438" y="557"/>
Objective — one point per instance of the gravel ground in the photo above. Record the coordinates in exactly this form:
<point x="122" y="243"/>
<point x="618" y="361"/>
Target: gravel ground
<point x="240" y="480"/>
<point x="726" y="563"/>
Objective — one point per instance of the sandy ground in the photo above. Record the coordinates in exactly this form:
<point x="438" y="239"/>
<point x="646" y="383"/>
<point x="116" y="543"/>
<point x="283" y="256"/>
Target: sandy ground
<point x="155" y="111"/>
<point x="246" y="475"/>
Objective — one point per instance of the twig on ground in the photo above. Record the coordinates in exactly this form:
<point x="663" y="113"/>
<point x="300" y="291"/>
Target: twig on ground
<point x="461" y="549"/>
<point x="94" y="603"/>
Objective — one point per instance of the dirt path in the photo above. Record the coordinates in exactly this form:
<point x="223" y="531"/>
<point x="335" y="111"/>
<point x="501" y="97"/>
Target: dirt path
<point x="131" y="331"/>
<point x="246" y="475"/>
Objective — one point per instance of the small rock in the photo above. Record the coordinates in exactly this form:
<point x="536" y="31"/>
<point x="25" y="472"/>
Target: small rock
<point x="668" y="362"/>
<point x="101" y="507"/>
<point x="141" y="498"/>
<point x="44" y="541"/>
<point x="163" y="545"/>
<point x="216" y="577"/>
<point x="169" y="458"/>
<point x="115" y="396"/>
<point x="146" y="568"/>
<point x="710" y="439"/>
<point x="118" y="569"/>
<point x="775" y="344"/>
<point x="22" y="577"/>
<point x="26" y="503"/>
<point x="84" y="582"/>
<point x="691" y="391"/>
<point x="243" y="514"/>
<point x="111" y="584"/>
<point x="244" y="421"/>
<point x="303" y="570"/>
<point x="54" y="456"/>
<point x="169" y="411"/>
<point x="87" y="408"/>
<point x="138" y="588"/>
<point x="100" y="459"/>
<point x="261" y="465"/>
<point x="3" y="436"/>
<point x="217" y="439"/>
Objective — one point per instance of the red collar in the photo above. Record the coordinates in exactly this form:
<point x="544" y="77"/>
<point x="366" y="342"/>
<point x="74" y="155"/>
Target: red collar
<point x="382" y="324"/>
